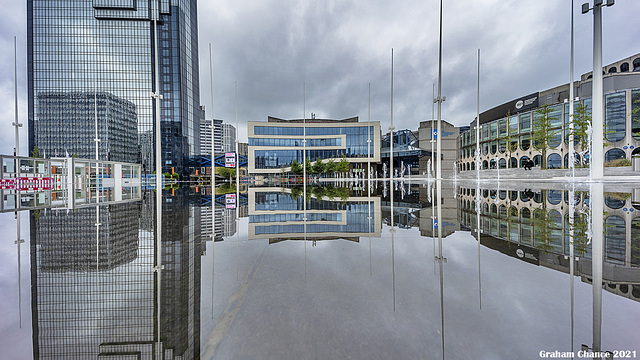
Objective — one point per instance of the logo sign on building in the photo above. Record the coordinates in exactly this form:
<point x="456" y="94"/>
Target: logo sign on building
<point x="230" y="201"/>
<point x="230" y="160"/>
<point x="434" y="133"/>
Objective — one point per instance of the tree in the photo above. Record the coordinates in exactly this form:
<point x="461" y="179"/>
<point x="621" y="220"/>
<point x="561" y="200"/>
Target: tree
<point x="343" y="165"/>
<point x="296" y="168"/>
<point x="227" y="172"/>
<point x="330" y="167"/>
<point x="318" y="166"/>
<point x="581" y="124"/>
<point x="35" y="152"/>
<point x="543" y="132"/>
<point x="307" y="165"/>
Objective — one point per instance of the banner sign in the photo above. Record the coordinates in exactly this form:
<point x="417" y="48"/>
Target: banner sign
<point x="27" y="183"/>
<point x="230" y="201"/>
<point x="230" y="160"/>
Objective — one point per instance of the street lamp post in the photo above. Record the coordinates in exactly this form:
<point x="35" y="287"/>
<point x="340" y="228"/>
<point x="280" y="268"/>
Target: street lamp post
<point x="597" y="138"/>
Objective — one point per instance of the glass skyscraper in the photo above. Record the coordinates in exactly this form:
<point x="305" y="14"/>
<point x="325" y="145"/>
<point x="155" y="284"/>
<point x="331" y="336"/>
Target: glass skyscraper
<point x="80" y="48"/>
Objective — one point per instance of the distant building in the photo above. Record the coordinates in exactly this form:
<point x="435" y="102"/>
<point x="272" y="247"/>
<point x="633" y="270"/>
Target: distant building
<point x="205" y="137"/>
<point x="449" y="145"/>
<point x="506" y="130"/>
<point x="228" y="138"/>
<point x="104" y="46"/>
<point x="67" y="125"/>
<point x="275" y="144"/>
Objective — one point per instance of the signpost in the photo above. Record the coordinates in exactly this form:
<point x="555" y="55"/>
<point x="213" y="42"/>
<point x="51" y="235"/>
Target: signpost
<point x="230" y="201"/>
<point x="230" y="160"/>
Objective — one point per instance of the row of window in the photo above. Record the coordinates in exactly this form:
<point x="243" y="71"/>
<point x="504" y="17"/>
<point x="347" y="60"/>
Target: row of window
<point x="615" y="121"/>
<point x="269" y="218"/>
<point x="294" y="142"/>
<point x="285" y="130"/>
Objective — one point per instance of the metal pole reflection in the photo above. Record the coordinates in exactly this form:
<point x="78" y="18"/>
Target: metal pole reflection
<point x="597" y="250"/>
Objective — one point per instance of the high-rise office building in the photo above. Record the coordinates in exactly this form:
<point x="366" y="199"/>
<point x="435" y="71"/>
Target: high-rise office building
<point x="229" y="138"/>
<point x="205" y="137"/>
<point x="107" y="47"/>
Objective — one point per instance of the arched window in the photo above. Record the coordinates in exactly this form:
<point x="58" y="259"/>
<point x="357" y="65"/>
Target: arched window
<point x="525" y="142"/>
<point x="613" y="70"/>
<point x="485" y="148"/>
<point x="503" y="212"/>
<point x="624" y="67"/>
<point x="494" y="147"/>
<point x="537" y="160"/>
<point x="522" y="160"/>
<point x="554" y="196"/>
<point x="492" y="164"/>
<point x="494" y="210"/>
<point x="473" y="166"/>
<point x="636" y="64"/>
<point x="513" y="162"/>
<point x="615" y="200"/>
<point x="566" y="159"/>
<point x="554" y="161"/>
<point x="614" y="154"/>
<point x="485" y="165"/>
<point x="502" y="163"/>
<point x="525" y="215"/>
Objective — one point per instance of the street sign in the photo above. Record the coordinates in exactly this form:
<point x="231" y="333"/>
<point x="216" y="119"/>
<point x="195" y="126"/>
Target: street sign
<point x="230" y="201"/>
<point x="434" y="133"/>
<point x="230" y="160"/>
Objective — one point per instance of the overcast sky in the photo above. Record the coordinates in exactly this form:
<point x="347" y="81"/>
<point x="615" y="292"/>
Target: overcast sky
<point x="337" y="48"/>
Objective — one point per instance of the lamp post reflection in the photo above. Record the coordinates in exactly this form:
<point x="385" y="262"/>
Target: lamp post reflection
<point x="440" y="258"/>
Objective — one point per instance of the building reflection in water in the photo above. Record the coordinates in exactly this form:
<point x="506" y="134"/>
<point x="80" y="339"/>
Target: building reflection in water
<point x="278" y="214"/>
<point x="97" y="297"/>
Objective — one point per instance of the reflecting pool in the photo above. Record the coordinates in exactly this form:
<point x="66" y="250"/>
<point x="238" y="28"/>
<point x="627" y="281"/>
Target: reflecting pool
<point x="428" y="270"/>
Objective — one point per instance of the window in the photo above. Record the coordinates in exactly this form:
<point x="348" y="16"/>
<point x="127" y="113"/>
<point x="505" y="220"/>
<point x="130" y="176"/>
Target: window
<point x="636" y="64"/>
<point x="494" y="129"/>
<point x="502" y="127"/>
<point x="525" y="122"/>
<point x="554" y="161"/>
<point x="614" y="154"/>
<point x="615" y="113"/>
<point x="624" y="67"/>
<point x="613" y="70"/>
<point x="525" y="142"/>
<point x="635" y="114"/>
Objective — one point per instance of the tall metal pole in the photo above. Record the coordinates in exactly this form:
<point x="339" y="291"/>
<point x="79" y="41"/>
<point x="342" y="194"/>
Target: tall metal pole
<point x="158" y="148"/>
<point x="213" y="155"/>
<point x="440" y="100"/>
<point x="369" y="142"/>
<point x="391" y="128"/>
<point x="16" y="124"/>
<point x="304" y="150"/>
<point x="478" y="125"/>
<point x="433" y="123"/>
<point x="572" y="157"/>
<point x="237" y="161"/>
<point x="597" y="156"/>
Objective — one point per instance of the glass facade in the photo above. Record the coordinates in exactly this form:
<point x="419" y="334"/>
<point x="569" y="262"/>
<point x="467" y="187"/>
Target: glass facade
<point x="106" y="47"/>
<point x="328" y="142"/>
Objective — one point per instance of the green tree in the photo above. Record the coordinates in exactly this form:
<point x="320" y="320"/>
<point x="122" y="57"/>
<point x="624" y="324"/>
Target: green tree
<point x="343" y="165"/>
<point x="543" y="132"/>
<point x="330" y="167"/>
<point x="318" y="166"/>
<point x="35" y="152"/>
<point x="296" y="191"/>
<point x="227" y="172"/>
<point x="581" y="125"/>
<point x="307" y="165"/>
<point x="296" y="168"/>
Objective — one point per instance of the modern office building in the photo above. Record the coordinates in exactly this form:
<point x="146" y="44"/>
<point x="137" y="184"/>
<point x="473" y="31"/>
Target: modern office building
<point x="64" y="118"/>
<point x="507" y="130"/>
<point x="107" y="47"/>
<point x="273" y="145"/>
<point x="228" y="138"/>
<point x="205" y="137"/>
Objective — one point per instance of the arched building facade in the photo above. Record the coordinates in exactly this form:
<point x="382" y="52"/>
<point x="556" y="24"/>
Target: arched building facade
<point x="507" y="130"/>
